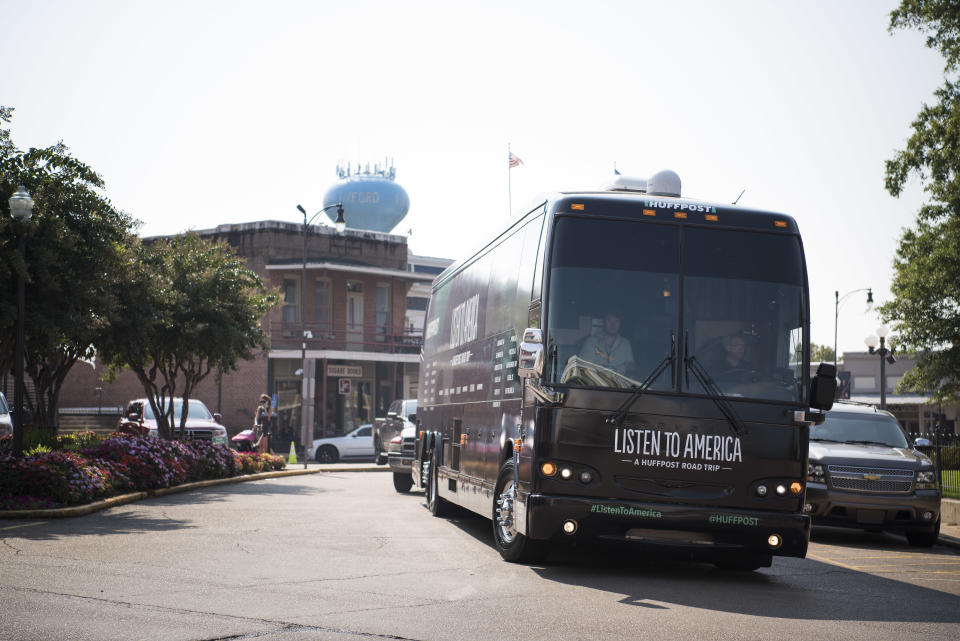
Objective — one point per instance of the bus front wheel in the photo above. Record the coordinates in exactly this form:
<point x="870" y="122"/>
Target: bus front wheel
<point x="512" y="545"/>
<point x="436" y="505"/>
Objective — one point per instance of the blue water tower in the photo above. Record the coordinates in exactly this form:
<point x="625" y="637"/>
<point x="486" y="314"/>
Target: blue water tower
<point x="371" y="199"/>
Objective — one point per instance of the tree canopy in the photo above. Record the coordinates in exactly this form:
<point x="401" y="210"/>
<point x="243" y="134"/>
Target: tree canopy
<point x="188" y="307"/>
<point x="925" y="309"/>
<point x="76" y="244"/>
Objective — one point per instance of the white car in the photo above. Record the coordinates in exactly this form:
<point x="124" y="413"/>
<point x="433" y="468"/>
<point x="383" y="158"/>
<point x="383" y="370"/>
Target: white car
<point x="356" y="444"/>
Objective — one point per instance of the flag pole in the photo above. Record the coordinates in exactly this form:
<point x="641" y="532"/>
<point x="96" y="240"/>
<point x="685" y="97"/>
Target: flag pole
<point x="509" y="185"/>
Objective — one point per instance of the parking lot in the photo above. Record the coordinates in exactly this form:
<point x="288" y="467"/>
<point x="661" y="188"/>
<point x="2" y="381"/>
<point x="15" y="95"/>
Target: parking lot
<point x="342" y="556"/>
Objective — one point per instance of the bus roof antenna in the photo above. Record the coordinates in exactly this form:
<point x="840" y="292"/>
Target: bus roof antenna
<point x="738" y="197"/>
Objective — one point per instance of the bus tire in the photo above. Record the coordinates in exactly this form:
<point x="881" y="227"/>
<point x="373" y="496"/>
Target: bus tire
<point x="438" y="507"/>
<point x="513" y="546"/>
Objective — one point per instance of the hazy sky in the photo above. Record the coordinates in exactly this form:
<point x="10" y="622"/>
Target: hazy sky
<point x="201" y="113"/>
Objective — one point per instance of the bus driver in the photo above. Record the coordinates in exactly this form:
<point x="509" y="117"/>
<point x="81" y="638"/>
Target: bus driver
<point x="608" y="348"/>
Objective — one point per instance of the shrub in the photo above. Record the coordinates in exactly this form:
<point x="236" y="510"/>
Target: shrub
<point x="77" y="440"/>
<point x="216" y="461"/>
<point x="38" y="449"/>
<point x="253" y="462"/>
<point x="62" y="478"/>
<point x="121" y="462"/>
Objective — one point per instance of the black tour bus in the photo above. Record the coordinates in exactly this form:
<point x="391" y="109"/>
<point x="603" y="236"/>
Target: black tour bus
<point x="628" y="365"/>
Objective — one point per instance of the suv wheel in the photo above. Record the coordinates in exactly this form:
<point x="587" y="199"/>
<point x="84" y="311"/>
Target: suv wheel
<point x="925" y="539"/>
<point x="402" y="482"/>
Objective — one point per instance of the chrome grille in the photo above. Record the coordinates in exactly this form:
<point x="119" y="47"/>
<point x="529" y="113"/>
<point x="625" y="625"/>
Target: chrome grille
<point x="891" y="481"/>
<point x="409" y="445"/>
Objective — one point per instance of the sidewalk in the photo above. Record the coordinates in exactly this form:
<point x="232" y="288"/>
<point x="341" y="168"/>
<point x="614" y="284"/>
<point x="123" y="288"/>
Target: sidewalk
<point x="950" y="523"/>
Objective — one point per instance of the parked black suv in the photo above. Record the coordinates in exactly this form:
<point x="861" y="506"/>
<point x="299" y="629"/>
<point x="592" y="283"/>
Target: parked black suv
<point x="864" y="472"/>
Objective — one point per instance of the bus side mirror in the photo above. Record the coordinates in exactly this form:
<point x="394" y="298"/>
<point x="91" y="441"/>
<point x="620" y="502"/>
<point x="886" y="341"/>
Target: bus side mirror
<point x="530" y="364"/>
<point x="824" y="387"/>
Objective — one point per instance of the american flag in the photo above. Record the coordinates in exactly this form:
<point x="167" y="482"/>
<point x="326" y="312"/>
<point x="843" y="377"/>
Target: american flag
<point x="514" y="160"/>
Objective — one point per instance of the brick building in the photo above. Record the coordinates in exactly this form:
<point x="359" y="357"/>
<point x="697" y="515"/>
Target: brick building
<point x="360" y="351"/>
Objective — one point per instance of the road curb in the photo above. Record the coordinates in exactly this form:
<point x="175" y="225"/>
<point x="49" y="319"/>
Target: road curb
<point x="949" y="541"/>
<point x="123" y="499"/>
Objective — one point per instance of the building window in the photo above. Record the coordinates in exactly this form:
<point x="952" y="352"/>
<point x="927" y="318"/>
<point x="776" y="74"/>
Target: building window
<point x="291" y="296"/>
<point x="864" y="383"/>
<point x="354" y="310"/>
<point x="324" y="312"/>
<point x="383" y="310"/>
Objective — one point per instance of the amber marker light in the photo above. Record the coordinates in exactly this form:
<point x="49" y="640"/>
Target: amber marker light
<point x="780" y="223"/>
<point x="712" y="217"/>
<point x="548" y="469"/>
<point x="680" y="214"/>
<point x="796" y="487"/>
<point x="649" y="212"/>
<point x="578" y="207"/>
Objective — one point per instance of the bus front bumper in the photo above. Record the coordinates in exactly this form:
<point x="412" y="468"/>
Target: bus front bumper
<point x="659" y="524"/>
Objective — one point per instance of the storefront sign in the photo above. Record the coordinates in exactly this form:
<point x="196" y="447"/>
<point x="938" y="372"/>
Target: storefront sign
<point x="345" y="370"/>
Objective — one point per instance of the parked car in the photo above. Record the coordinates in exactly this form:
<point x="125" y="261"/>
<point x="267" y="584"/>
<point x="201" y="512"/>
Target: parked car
<point x="864" y="472"/>
<point x="201" y="424"/>
<point x="400" y="451"/>
<point x="6" y="421"/>
<point x="387" y="428"/>
<point x="353" y="445"/>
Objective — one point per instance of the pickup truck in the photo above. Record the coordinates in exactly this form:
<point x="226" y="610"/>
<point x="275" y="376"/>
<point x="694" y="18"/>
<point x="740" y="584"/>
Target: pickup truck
<point x="389" y="440"/>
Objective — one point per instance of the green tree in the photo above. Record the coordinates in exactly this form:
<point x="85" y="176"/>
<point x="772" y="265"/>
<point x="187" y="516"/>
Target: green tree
<point x="76" y="245"/>
<point x="925" y="309"/>
<point x="822" y="353"/>
<point x="188" y="307"/>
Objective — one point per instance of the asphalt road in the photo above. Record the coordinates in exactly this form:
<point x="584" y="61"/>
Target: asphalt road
<point x="341" y="556"/>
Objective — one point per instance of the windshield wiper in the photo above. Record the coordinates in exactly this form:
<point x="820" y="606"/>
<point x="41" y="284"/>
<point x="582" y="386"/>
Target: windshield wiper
<point x="638" y="390"/>
<point x="869" y="443"/>
<point x="831" y="440"/>
<point x="693" y="365"/>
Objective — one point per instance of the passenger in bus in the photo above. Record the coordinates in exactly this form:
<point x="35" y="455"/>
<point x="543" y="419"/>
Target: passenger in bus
<point x="607" y="347"/>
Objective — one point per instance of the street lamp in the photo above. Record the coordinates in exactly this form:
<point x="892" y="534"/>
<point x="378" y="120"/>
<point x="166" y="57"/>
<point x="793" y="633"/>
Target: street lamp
<point x="836" y="313"/>
<point x="886" y="356"/>
<point x="305" y="425"/>
<point x="21" y="208"/>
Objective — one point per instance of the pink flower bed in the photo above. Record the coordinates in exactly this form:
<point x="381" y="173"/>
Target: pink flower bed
<point x="118" y="464"/>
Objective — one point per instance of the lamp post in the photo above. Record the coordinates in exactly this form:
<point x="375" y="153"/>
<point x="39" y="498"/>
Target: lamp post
<point x="886" y="356"/>
<point x="21" y="208"/>
<point x="836" y="313"/>
<point x="340" y="224"/>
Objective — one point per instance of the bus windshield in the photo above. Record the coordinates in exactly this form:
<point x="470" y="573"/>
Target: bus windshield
<point x="617" y="290"/>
